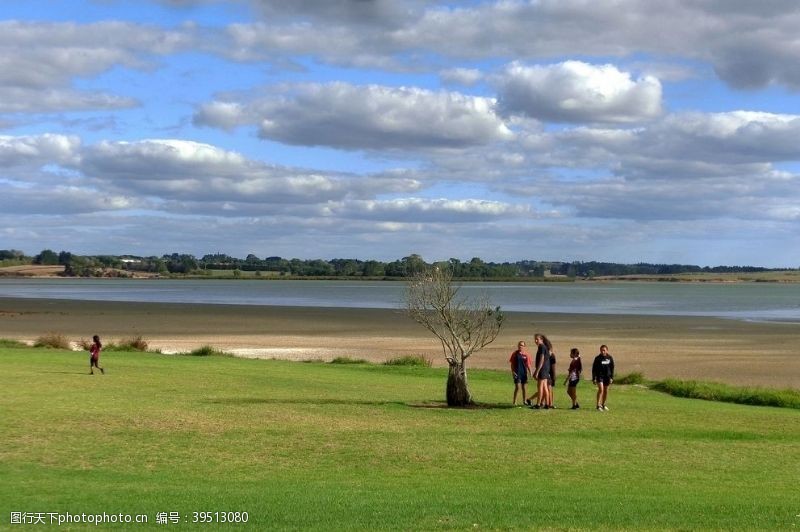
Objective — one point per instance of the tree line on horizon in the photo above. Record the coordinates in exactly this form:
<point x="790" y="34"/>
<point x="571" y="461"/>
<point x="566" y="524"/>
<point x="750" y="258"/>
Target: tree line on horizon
<point x="476" y="268"/>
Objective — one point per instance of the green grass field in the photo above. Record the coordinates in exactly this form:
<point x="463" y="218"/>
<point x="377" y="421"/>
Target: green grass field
<point x="350" y="446"/>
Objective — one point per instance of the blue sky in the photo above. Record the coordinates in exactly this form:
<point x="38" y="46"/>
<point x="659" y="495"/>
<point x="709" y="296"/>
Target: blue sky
<point x="622" y="131"/>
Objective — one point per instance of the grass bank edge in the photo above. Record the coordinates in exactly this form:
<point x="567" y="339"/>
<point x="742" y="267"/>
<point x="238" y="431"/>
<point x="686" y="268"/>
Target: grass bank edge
<point x="719" y="392"/>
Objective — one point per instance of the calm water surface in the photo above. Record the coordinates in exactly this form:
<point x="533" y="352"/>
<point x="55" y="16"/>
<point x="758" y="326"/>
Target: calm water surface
<point x="748" y="301"/>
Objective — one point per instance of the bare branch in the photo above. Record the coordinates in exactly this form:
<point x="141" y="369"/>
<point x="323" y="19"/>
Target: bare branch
<point x="463" y="325"/>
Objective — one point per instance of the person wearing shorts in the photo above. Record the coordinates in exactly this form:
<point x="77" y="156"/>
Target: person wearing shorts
<point x="574" y="376"/>
<point x="603" y="376"/>
<point x="542" y="371"/>
<point x="520" y="363"/>
<point x="94" y="355"/>
<point x="551" y="382"/>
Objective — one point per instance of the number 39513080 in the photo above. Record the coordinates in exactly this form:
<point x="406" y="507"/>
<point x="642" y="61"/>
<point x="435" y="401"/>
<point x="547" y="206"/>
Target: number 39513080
<point x="220" y="517"/>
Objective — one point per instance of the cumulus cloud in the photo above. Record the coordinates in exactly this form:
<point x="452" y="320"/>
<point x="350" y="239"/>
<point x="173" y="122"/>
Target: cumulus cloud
<point x="225" y="115"/>
<point x="383" y="13"/>
<point x="760" y="197"/>
<point x="189" y="171"/>
<point x="370" y="117"/>
<point x="58" y="200"/>
<point x="686" y="145"/>
<point x="39" y="61"/>
<point x="38" y="150"/>
<point x="747" y="47"/>
<point x="735" y="136"/>
<point x="574" y="91"/>
<point x="159" y="159"/>
<point x="685" y="166"/>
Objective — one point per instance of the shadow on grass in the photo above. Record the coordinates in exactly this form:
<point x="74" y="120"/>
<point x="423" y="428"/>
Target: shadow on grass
<point x="432" y="405"/>
<point x="321" y="401"/>
<point x="443" y="406"/>
<point x="68" y="373"/>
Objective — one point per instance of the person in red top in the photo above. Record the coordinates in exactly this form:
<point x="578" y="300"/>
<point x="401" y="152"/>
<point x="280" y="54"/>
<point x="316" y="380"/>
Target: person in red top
<point x="94" y="355"/>
<point x="520" y="363"/>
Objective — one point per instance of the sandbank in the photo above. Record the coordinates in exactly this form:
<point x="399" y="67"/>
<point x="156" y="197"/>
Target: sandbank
<point x="731" y="351"/>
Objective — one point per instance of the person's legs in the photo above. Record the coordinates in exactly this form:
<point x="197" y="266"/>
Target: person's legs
<point x="516" y="391"/>
<point x="542" y="383"/>
<point x="572" y="395"/>
<point x="600" y="393"/>
<point x="532" y="397"/>
<point x="605" y="395"/>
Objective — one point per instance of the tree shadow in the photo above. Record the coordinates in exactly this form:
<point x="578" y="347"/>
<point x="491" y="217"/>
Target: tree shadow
<point x="442" y="405"/>
<point x="317" y="402"/>
<point x="425" y="405"/>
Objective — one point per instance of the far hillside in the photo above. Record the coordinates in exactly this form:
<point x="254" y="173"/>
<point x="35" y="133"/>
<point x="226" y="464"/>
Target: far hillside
<point x="32" y="270"/>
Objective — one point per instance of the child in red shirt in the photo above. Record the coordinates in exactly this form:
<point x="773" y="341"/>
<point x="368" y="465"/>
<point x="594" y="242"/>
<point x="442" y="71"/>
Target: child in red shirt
<point x="94" y="352"/>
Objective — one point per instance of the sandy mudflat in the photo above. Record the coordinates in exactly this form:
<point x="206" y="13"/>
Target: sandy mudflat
<point x="765" y="354"/>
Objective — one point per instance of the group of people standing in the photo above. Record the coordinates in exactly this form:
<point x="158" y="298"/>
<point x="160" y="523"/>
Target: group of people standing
<point x="543" y="371"/>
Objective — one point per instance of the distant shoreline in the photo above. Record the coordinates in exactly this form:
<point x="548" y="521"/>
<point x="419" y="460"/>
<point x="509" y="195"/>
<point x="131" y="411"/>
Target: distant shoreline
<point x="778" y="276"/>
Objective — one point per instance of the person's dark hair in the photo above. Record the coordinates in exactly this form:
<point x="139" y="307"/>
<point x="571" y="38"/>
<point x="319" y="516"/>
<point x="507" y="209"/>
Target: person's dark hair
<point x="602" y="346"/>
<point x="574" y="351"/>
<point x="546" y="341"/>
<point x="97" y="340"/>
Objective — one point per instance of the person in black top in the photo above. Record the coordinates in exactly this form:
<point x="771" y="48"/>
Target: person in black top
<point x="551" y="382"/>
<point x="603" y="375"/>
<point x="542" y="371"/>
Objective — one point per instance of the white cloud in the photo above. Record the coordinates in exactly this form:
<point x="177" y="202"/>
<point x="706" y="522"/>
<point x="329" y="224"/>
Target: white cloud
<point x="369" y="117"/>
<point x="747" y="48"/>
<point x="225" y="115"/>
<point x="39" y="62"/>
<point x="371" y="13"/>
<point x="176" y="170"/>
<point x="58" y="200"/>
<point x="685" y="146"/>
<point x="38" y="150"/>
<point x="574" y="91"/>
<point x="735" y="136"/>
<point x="756" y="198"/>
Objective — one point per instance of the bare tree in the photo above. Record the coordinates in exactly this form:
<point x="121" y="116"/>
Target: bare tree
<point x="462" y="325"/>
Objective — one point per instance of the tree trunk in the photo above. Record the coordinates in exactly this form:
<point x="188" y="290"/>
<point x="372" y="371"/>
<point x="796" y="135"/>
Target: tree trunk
<point x="457" y="388"/>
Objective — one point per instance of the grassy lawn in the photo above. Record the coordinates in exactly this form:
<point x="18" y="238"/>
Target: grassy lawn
<point x="328" y="446"/>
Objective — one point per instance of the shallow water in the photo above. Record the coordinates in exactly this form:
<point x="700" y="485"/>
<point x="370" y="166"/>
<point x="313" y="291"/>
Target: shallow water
<point x="745" y="301"/>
